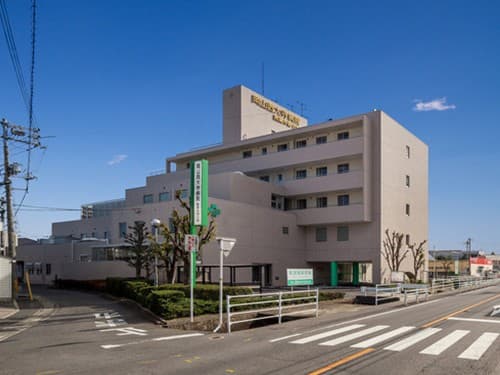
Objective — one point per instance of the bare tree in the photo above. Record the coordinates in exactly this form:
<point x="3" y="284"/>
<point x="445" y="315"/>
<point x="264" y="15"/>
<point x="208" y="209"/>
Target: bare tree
<point x="171" y="250"/>
<point x="447" y="261"/>
<point x="393" y="252"/>
<point x="139" y="250"/>
<point x="418" y="254"/>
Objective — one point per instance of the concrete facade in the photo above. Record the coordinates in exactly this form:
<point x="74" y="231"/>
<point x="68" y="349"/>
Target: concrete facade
<point x="294" y="196"/>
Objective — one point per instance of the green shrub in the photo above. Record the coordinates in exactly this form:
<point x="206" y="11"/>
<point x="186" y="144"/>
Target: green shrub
<point x="330" y="295"/>
<point x="157" y="298"/>
<point x="207" y="292"/>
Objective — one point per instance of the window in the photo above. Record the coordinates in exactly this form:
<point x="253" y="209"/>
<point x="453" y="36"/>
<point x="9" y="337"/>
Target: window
<point x="105" y="235"/>
<point x="277" y="201"/>
<point x="407" y="181"/>
<point x="122" y="229"/>
<point x="407" y="240"/>
<point x="283" y="147"/>
<point x="301" y="143"/>
<point x="147" y="198"/>
<point x="343" y="233"/>
<point x="182" y="193"/>
<point x="343" y="200"/>
<point x="321" y="139"/>
<point x="284" y="230"/>
<point x="321" y="234"/>
<point x="264" y="178"/>
<point x="264" y="150"/>
<point x="321" y="171"/>
<point x="321" y="202"/>
<point x="343" y="135"/>
<point x="280" y="177"/>
<point x="343" y="168"/>
<point x="188" y="165"/>
<point x="300" y="174"/>
<point x="48" y="268"/>
<point x="407" y="151"/>
<point x="84" y="258"/>
<point x="171" y="227"/>
<point x="301" y="204"/>
<point x="407" y="209"/>
<point x="164" y="196"/>
<point x="247" y="154"/>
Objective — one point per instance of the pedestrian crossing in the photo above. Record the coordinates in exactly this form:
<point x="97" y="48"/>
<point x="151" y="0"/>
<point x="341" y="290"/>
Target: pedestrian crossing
<point x="437" y="341"/>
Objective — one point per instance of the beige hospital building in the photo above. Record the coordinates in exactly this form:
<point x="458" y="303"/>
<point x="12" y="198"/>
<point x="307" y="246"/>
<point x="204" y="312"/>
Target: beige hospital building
<point x="293" y="195"/>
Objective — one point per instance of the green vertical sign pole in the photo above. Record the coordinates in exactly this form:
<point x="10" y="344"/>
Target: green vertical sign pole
<point x="355" y="273"/>
<point x="334" y="277"/>
<point x="199" y="211"/>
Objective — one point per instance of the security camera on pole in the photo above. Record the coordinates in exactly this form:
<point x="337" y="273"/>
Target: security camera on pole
<point x="199" y="217"/>
<point x="225" y="245"/>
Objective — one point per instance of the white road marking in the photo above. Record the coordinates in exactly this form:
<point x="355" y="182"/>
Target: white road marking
<point x="126" y="331"/>
<point x="285" y="337"/>
<point x="478" y="347"/>
<point x="112" y="346"/>
<point x="422" y="304"/>
<point x="476" y="320"/>
<point x="440" y="346"/>
<point x="381" y="338"/>
<point x="177" y="337"/>
<point x="409" y="341"/>
<point x="320" y="336"/>
<point x="353" y="336"/>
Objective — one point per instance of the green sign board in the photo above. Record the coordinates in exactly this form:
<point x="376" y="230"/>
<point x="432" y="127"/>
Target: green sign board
<point x="299" y="276"/>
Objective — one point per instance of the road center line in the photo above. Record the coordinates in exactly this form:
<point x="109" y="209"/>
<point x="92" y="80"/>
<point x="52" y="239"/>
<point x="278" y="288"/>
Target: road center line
<point x="341" y="362"/>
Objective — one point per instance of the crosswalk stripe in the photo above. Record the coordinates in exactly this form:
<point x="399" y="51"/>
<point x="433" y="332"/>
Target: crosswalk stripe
<point x="478" y="347"/>
<point x="409" y="341"/>
<point x="440" y="346"/>
<point x="353" y="336"/>
<point x="320" y="336"/>
<point x="381" y="338"/>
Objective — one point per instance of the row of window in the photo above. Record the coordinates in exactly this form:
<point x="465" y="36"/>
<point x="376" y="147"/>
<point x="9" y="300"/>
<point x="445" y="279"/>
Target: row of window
<point x="322" y="233"/>
<point x="37" y="268"/>
<point x="302" y="173"/>
<point x="297" y="144"/>
<point x="342" y="233"/>
<point x="164" y="196"/>
<point x="321" y="202"/>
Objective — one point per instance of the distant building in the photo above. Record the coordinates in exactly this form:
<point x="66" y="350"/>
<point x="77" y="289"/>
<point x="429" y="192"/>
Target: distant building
<point x="294" y="196"/>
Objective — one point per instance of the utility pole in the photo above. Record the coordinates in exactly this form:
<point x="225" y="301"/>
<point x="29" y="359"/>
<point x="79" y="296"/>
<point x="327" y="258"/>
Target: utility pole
<point x="11" y="251"/>
<point x="468" y="250"/>
<point x="30" y="137"/>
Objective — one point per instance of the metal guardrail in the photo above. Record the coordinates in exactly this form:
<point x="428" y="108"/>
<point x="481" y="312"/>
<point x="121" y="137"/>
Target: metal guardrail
<point x="278" y="304"/>
<point x="383" y="292"/>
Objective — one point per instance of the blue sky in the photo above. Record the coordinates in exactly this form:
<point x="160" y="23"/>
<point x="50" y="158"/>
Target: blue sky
<point x="137" y="81"/>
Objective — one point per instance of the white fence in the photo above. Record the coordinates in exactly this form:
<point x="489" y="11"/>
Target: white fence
<point x="417" y="292"/>
<point x="274" y="305"/>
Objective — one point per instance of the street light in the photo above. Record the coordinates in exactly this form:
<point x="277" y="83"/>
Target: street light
<point x="155" y="223"/>
<point x="225" y="245"/>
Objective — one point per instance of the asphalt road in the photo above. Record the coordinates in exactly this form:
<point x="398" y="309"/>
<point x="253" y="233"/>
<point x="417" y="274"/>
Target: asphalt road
<point x="91" y="334"/>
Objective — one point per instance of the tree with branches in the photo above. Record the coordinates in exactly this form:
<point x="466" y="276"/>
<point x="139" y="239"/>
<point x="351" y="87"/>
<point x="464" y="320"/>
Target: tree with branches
<point x="418" y="254"/>
<point x="393" y="249"/>
<point x="171" y="250"/>
<point x="139" y="250"/>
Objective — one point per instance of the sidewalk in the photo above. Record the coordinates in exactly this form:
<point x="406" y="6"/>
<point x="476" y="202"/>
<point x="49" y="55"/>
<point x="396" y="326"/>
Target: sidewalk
<point x="7" y="309"/>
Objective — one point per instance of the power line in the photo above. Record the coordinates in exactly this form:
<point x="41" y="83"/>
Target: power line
<point x="30" y="110"/>
<point x="14" y="57"/>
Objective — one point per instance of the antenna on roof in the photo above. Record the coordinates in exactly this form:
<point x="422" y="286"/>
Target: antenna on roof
<point x="303" y="107"/>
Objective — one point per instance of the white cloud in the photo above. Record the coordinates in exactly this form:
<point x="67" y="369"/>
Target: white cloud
<point x="117" y="159"/>
<point x="434" y="105"/>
